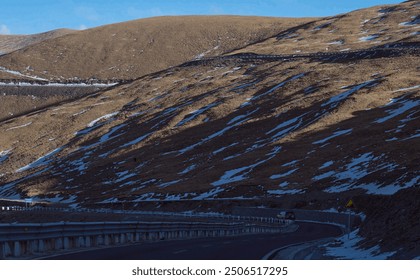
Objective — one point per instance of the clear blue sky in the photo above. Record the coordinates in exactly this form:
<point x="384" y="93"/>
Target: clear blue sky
<point x="34" y="16"/>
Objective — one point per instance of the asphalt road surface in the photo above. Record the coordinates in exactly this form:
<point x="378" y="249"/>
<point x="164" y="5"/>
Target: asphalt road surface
<point x="248" y="247"/>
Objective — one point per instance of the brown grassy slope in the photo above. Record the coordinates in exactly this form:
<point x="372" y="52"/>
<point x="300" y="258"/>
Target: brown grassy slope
<point x="17" y="100"/>
<point x="131" y="49"/>
<point x="10" y="43"/>
<point x="157" y="104"/>
<point x="233" y="138"/>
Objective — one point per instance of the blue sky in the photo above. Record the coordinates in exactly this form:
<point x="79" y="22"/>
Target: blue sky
<point x="32" y="16"/>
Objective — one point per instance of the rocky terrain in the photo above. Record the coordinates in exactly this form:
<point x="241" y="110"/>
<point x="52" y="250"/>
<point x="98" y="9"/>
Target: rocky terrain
<point x="301" y="116"/>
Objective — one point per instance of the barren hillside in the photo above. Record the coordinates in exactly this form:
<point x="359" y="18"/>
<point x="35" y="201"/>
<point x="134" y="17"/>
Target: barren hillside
<point x="10" y="43"/>
<point x="131" y="49"/>
<point x="294" y="130"/>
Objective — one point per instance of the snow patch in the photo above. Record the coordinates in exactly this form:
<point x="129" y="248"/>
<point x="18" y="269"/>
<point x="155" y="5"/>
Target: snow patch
<point x="137" y="140"/>
<point x="350" y="249"/>
<point x="105" y="117"/>
<point x="327" y="164"/>
<point x="224" y="148"/>
<point x="2" y="69"/>
<point x="403" y="106"/>
<point x="4" y="155"/>
<point x="335" y="134"/>
<point x="209" y="194"/>
<point x="44" y="160"/>
<point x="188" y="169"/>
<point x="281" y="192"/>
<point x="342" y="96"/>
<point x="369" y="38"/>
<point x="278" y="176"/>
<point x="193" y="115"/>
<point x="278" y="86"/>
<point x="167" y="184"/>
<point x="19" y="126"/>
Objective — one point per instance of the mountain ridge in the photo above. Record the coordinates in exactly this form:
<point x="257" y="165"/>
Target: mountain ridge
<point x="296" y="131"/>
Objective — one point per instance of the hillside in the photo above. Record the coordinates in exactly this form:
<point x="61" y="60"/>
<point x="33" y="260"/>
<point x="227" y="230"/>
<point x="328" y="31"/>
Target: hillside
<point x="132" y="49"/>
<point x="11" y="43"/>
<point x="259" y="126"/>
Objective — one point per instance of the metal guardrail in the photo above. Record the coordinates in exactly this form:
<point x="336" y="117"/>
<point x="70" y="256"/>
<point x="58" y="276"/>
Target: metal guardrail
<point x="253" y="217"/>
<point x="17" y="240"/>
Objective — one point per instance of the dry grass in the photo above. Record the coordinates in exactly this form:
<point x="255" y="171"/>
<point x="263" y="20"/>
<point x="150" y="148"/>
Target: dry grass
<point x="172" y="155"/>
<point x="132" y="49"/>
<point x="11" y="43"/>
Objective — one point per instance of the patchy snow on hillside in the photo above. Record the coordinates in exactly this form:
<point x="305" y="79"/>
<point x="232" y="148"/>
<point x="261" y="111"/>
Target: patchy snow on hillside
<point x="402" y="105"/>
<point x="234" y="175"/>
<point x="4" y="155"/>
<point x="111" y="134"/>
<point x="19" y="126"/>
<point x="218" y="133"/>
<point x="167" y="184"/>
<point x="349" y="249"/>
<point x="278" y="176"/>
<point x="335" y="134"/>
<point x="369" y="38"/>
<point x="324" y="175"/>
<point x="286" y="127"/>
<point x="276" y="87"/>
<point x="9" y="190"/>
<point x="58" y="199"/>
<point x="349" y="176"/>
<point x="44" y="160"/>
<point x="176" y="197"/>
<point x="137" y="140"/>
<point x="210" y="194"/>
<point x="407" y="89"/>
<point x="239" y="174"/>
<point x="415" y="21"/>
<point x="285" y="191"/>
<point x="333" y="101"/>
<point x="17" y="73"/>
<point x="327" y="164"/>
<point x="224" y="148"/>
<point x="339" y="42"/>
<point x="105" y="117"/>
<point x="188" y="169"/>
<point x="193" y="115"/>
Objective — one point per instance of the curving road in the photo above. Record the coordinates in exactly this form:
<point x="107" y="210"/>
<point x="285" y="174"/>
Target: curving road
<point x="387" y="50"/>
<point x="249" y="247"/>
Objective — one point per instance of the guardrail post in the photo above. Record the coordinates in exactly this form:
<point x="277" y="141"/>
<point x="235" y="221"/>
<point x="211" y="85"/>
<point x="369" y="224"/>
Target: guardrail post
<point x="31" y="246"/>
<point x="80" y="242"/>
<point x="41" y="246"/>
<point x="116" y="239"/>
<point x="122" y="238"/>
<point x="87" y="241"/>
<point x="16" y="249"/>
<point x="66" y="243"/>
<point x="2" y="250"/>
<point x="107" y="239"/>
<point x="58" y="243"/>
<point x="97" y="240"/>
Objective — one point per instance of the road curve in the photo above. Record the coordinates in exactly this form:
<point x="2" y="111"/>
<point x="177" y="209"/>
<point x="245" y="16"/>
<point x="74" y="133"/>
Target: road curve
<point x="248" y="247"/>
<point x="387" y="50"/>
